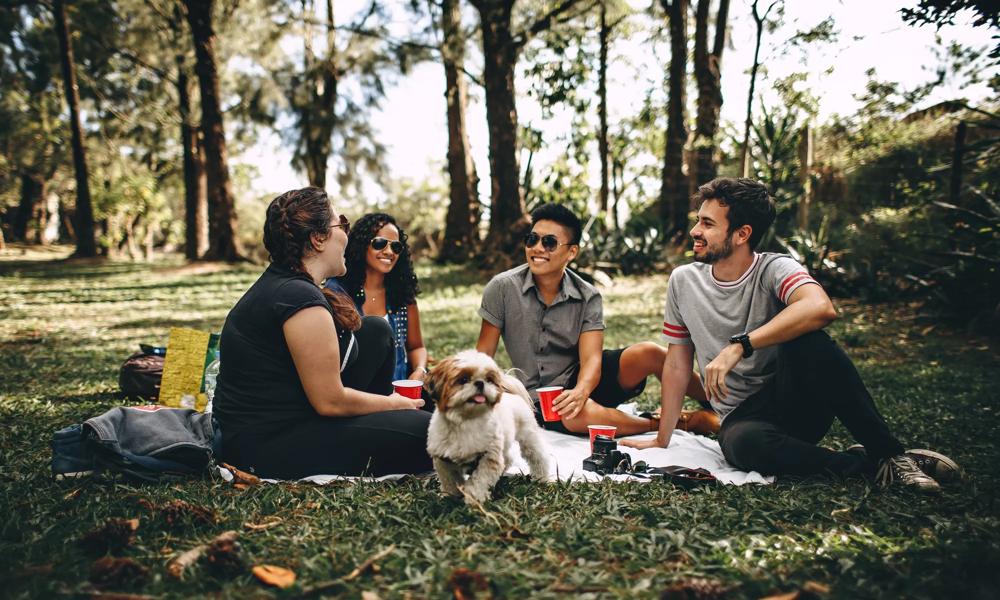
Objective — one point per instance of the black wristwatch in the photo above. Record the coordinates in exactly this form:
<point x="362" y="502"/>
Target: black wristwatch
<point x="743" y="339"/>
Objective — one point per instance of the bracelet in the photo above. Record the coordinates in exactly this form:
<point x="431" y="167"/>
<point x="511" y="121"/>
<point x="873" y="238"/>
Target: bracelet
<point x="422" y="368"/>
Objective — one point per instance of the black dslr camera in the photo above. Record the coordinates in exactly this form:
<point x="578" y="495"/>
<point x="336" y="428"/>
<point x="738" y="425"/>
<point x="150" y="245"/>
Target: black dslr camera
<point x="607" y="458"/>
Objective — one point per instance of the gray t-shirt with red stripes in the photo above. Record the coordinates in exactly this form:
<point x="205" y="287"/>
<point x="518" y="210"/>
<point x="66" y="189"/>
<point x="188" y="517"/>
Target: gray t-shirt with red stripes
<point x="707" y="312"/>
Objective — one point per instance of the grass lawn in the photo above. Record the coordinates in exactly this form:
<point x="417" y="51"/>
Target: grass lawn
<point x="66" y="327"/>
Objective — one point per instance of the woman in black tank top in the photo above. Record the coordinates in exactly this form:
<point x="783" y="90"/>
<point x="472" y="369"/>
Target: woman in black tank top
<point x="305" y="385"/>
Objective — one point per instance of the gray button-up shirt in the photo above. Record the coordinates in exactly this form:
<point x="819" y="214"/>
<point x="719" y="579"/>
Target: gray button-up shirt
<point x="542" y="341"/>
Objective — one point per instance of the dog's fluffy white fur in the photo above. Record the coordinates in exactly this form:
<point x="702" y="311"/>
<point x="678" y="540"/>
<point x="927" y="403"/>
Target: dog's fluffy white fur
<point x="480" y="412"/>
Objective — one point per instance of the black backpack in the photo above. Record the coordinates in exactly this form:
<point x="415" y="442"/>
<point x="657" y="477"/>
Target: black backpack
<point x="141" y="373"/>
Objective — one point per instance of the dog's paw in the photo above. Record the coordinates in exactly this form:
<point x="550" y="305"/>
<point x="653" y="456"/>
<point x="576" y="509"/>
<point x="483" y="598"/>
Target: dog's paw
<point x="475" y="501"/>
<point x="452" y="492"/>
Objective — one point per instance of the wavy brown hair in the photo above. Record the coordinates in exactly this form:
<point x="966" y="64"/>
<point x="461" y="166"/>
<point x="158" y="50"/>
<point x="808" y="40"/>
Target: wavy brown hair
<point x="292" y="219"/>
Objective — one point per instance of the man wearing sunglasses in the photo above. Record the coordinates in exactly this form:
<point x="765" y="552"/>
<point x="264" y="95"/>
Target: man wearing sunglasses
<point x="552" y="325"/>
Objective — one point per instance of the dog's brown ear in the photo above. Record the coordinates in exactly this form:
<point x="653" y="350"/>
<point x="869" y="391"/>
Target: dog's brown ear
<point x="434" y="380"/>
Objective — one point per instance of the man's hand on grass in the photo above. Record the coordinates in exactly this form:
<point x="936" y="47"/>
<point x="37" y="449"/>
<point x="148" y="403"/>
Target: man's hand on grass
<point x="642" y="444"/>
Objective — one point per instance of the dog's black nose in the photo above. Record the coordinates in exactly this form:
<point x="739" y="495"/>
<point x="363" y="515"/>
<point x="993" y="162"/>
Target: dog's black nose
<point x="479" y="384"/>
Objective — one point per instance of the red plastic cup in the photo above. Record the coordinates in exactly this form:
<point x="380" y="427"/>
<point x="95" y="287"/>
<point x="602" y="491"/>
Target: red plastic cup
<point x="596" y="430"/>
<point x="408" y="387"/>
<point x="545" y="397"/>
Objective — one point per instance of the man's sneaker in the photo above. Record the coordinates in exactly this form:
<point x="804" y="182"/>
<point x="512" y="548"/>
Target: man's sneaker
<point x="934" y="464"/>
<point x="903" y="470"/>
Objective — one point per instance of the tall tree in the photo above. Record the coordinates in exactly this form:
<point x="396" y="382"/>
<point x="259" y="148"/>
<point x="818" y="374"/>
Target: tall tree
<point x="708" y="74"/>
<point x="604" y="34"/>
<point x="759" y="21"/>
<point x="674" y="182"/>
<point x="195" y="184"/>
<point x="501" y="47"/>
<point x="314" y="95"/>
<point x="461" y="234"/>
<point x="223" y="242"/>
<point x="86" y="243"/>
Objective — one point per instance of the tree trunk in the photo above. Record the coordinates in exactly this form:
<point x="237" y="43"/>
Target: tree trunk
<point x="708" y="74"/>
<point x="745" y="148"/>
<point x="674" y="185"/>
<point x="610" y="218"/>
<point x="32" y="189"/>
<point x="223" y="242"/>
<point x="507" y="213"/>
<point x="316" y="112"/>
<point x="195" y="202"/>
<point x="195" y="192"/>
<point x="461" y="234"/>
<point x="805" y="176"/>
<point x="86" y="244"/>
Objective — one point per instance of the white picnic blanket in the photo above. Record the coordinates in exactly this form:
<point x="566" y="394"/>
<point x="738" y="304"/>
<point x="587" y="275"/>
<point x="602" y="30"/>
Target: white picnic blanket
<point x="567" y="451"/>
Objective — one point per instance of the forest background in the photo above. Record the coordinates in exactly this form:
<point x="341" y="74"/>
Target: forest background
<point x="138" y="127"/>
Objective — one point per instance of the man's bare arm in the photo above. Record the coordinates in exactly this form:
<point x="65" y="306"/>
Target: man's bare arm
<point x="677" y="373"/>
<point x="489" y="338"/>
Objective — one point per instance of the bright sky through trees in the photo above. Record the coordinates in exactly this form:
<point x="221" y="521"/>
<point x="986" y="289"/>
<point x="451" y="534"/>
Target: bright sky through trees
<point x="871" y="35"/>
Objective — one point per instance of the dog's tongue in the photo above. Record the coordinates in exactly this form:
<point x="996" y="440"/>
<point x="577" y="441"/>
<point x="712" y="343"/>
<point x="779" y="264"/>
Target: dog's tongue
<point x="479" y="398"/>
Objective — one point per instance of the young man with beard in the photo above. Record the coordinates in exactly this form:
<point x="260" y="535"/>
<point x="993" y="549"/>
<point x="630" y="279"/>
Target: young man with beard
<point x="777" y="380"/>
<point x="552" y="324"/>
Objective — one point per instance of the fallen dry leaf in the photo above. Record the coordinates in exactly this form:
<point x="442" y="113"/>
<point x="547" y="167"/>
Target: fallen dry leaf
<point x="241" y="479"/>
<point x="224" y="559"/>
<point x="696" y="588"/>
<point x="816" y="587"/>
<point x="369" y="595"/>
<point x="267" y="524"/>
<point x="114" y="535"/>
<point x="275" y="576"/>
<point x="466" y="584"/>
<point x="175" y="568"/>
<point x="515" y="534"/>
<point x="810" y="590"/>
<point x="177" y="512"/>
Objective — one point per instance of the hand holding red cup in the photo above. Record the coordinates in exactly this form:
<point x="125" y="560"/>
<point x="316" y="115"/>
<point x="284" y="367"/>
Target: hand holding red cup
<point x="410" y="388"/>
<point x="545" y="397"/>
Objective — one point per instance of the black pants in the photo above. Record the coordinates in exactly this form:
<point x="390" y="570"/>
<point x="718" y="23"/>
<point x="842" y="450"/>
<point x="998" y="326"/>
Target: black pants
<point x="776" y="430"/>
<point x="375" y="444"/>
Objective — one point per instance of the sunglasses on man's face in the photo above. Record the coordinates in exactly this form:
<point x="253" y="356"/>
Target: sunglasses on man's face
<point x="379" y="243"/>
<point x="343" y="223"/>
<point x="549" y="241"/>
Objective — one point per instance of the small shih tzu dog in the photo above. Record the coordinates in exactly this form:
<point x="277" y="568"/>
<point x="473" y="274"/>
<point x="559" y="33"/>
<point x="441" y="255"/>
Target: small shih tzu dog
<point x="480" y="412"/>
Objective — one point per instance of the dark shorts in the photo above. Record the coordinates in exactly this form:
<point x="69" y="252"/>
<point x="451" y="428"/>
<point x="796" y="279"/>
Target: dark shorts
<point x="608" y="392"/>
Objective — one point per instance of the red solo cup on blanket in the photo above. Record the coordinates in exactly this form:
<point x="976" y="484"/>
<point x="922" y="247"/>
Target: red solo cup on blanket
<point x="408" y="387"/>
<point x="596" y="430"/>
<point x="545" y="397"/>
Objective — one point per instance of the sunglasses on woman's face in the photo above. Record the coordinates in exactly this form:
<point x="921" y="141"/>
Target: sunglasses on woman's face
<point x="343" y="223"/>
<point x="379" y="244"/>
<point x="549" y="241"/>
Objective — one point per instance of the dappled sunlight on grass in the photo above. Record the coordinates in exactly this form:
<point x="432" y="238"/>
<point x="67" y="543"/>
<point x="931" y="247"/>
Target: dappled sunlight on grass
<point x="65" y="328"/>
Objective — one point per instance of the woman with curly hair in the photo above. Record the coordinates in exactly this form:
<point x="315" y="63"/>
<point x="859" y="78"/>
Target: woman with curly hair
<point x="381" y="281"/>
<point x="305" y="381"/>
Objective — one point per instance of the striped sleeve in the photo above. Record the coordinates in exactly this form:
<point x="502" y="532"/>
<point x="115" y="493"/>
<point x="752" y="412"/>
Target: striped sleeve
<point x="788" y="276"/>
<point x="674" y="330"/>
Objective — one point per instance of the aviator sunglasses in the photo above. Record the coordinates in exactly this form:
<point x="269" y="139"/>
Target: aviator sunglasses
<point x="549" y="242"/>
<point x="343" y="223"/>
<point x="379" y="243"/>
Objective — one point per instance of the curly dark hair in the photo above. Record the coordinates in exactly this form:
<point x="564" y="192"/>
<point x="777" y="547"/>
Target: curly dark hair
<point x="401" y="287"/>
<point x="292" y="218"/>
